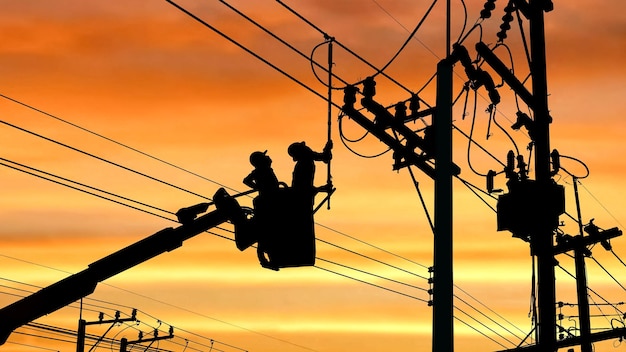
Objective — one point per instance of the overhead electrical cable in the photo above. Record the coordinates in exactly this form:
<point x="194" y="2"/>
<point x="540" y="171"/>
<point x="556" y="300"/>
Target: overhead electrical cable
<point x="373" y="259"/>
<point x="257" y="56"/>
<point x="168" y="1"/>
<point x="86" y="186"/>
<point x="99" y="135"/>
<point x="218" y="235"/>
<point x="406" y="42"/>
<point x="491" y="320"/>
<point x="284" y="42"/>
<point x="492" y="311"/>
<point x="478" y="331"/>
<point x="608" y="273"/>
<point x="158" y="159"/>
<point x="102" y="159"/>
<point x="372" y="284"/>
<point x="342" y="45"/>
<point x="100" y="310"/>
<point x="372" y="274"/>
<point x="403" y="27"/>
<point x="486" y="327"/>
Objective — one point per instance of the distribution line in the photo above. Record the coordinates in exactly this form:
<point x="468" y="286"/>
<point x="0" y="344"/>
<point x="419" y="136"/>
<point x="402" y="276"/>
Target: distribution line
<point x="187" y="171"/>
<point x="372" y="274"/>
<point x="284" y="42"/>
<point x="116" y="309"/>
<point x="101" y="159"/>
<point x="102" y="197"/>
<point x="341" y="45"/>
<point x="372" y="284"/>
<point x="485" y="326"/>
<point x="608" y="273"/>
<point x="112" y="140"/>
<point x="373" y="259"/>
<point x="406" y="29"/>
<point x="84" y="185"/>
<point x="143" y="210"/>
<point x="318" y="258"/>
<point x="478" y="331"/>
<point x="223" y="35"/>
<point x="490" y="319"/>
<point x="492" y="311"/>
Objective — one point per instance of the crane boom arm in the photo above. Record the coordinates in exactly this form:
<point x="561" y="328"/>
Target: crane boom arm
<point x="79" y="285"/>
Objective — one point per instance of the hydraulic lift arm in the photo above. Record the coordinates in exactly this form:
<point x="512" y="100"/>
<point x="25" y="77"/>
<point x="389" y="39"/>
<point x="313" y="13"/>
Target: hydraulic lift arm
<point x="79" y="285"/>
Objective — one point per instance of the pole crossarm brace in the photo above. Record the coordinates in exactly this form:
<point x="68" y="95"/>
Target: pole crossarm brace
<point x="581" y="241"/>
<point x="124" y="343"/>
<point x="618" y="333"/>
<point x="410" y="157"/>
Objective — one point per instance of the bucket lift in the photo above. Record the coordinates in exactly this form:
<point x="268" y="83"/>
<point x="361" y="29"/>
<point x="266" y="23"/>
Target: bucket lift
<point x="282" y="228"/>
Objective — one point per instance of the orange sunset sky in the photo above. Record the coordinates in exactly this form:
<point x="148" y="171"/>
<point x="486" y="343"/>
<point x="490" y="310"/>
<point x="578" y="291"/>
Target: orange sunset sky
<point x="146" y="75"/>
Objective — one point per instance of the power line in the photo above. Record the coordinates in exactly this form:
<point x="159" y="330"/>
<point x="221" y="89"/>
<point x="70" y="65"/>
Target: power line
<point x="101" y="158"/>
<point x="478" y="331"/>
<point x="284" y="42"/>
<point x="372" y="284"/>
<point x="223" y="35"/>
<point x="372" y="274"/>
<point x="93" y="337"/>
<point x="145" y="154"/>
<point x="341" y="45"/>
<point x="99" y="135"/>
<point x="608" y="273"/>
<point x="485" y="326"/>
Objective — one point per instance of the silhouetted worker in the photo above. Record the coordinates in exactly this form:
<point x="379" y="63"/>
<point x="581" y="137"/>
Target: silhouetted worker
<point x="304" y="170"/>
<point x="300" y="245"/>
<point x="264" y="180"/>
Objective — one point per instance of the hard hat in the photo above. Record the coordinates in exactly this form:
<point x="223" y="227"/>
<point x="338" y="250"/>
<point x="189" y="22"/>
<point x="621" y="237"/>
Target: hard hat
<point x="258" y="158"/>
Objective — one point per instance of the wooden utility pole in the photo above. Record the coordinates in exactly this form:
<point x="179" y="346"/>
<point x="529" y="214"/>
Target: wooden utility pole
<point x="443" y="280"/>
<point x="542" y="238"/>
<point x="443" y="296"/>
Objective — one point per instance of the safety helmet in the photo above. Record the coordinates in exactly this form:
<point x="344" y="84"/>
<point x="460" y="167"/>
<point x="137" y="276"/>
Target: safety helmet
<point x="258" y="158"/>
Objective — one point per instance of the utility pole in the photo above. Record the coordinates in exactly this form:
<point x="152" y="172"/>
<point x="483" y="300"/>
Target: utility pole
<point x="443" y="280"/>
<point x="542" y="237"/>
<point x="443" y="295"/>
<point x="532" y="207"/>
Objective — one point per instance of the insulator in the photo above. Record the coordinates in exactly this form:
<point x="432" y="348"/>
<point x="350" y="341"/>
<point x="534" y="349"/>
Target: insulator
<point x="414" y="104"/>
<point x="485" y="79"/>
<point x="490" y="5"/>
<point x="460" y="53"/>
<point x="349" y="96"/>
<point x="506" y="21"/>
<point x="490" y="176"/>
<point x="400" y="111"/>
<point x="521" y="165"/>
<point x="556" y="162"/>
<point x="510" y="160"/>
<point x="369" y="87"/>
